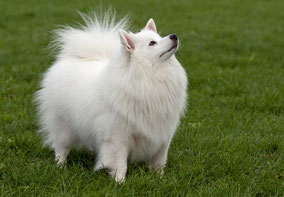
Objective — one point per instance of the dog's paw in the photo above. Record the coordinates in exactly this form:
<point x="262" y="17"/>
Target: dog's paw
<point x="61" y="164"/>
<point x="120" y="179"/>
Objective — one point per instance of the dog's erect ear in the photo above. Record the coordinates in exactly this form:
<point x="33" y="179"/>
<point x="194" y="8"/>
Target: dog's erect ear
<point x="151" y="25"/>
<point x="126" y="40"/>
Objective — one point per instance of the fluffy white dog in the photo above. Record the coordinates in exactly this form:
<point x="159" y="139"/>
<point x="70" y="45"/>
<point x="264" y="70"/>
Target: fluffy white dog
<point x="120" y="94"/>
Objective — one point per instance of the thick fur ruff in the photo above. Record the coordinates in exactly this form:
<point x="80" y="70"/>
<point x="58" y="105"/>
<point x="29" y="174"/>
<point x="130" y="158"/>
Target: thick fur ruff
<point x="113" y="92"/>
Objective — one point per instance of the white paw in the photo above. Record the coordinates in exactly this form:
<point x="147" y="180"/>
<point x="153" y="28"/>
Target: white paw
<point x="159" y="169"/>
<point x="60" y="162"/>
<point x="120" y="179"/>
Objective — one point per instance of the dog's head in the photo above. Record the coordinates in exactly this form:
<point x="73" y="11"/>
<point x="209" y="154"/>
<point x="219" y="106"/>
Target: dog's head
<point x="148" y="45"/>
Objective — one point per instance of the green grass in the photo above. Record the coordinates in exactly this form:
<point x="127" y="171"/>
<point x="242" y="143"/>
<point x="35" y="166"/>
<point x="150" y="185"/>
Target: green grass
<point x="231" y="140"/>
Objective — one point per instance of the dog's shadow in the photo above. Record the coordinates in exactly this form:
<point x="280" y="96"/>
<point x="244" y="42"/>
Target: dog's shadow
<point x="86" y="159"/>
<point x="81" y="157"/>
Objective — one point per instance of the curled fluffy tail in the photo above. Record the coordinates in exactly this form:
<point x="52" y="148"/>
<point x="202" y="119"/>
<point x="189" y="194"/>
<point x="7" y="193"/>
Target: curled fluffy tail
<point x="95" y="40"/>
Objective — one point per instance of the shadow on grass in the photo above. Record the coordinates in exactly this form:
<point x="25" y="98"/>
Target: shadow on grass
<point x="82" y="157"/>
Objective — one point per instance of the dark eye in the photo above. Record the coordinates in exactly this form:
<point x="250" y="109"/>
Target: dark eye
<point x="152" y="43"/>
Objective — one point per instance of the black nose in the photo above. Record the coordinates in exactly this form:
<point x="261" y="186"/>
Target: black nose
<point x="173" y="37"/>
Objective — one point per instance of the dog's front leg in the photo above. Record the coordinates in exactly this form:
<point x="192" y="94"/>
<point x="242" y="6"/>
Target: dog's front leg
<point x="113" y="156"/>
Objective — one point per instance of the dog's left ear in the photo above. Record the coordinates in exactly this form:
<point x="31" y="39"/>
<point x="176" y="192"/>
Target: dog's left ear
<point x="151" y="25"/>
<point x="126" y="40"/>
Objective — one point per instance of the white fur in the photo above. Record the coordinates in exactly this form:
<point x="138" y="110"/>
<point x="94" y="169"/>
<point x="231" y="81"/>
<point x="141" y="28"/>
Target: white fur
<point x="111" y="92"/>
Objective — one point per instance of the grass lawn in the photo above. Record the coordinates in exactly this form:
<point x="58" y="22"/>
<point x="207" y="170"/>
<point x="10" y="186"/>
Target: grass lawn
<point x="231" y="140"/>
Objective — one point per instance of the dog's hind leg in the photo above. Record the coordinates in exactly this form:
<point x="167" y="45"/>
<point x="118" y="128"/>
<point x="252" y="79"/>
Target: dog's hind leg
<point x="159" y="160"/>
<point x="61" y="138"/>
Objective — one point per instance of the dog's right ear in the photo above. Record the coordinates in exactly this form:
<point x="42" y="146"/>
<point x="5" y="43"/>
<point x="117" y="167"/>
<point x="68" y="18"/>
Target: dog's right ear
<point x="151" y="25"/>
<point x="126" y="40"/>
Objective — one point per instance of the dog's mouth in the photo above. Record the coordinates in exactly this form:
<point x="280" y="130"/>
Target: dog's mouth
<point x="173" y="47"/>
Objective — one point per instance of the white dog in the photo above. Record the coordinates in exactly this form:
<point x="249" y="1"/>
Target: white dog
<point x="117" y="93"/>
